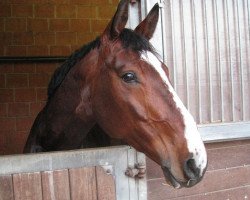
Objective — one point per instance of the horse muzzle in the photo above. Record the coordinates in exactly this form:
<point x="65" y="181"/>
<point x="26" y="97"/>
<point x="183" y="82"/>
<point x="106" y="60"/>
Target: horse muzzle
<point x="192" y="172"/>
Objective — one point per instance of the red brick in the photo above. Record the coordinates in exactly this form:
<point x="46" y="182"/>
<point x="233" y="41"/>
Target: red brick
<point x="24" y="68"/>
<point x="61" y="1"/>
<point x="7" y="124"/>
<point x="65" y="11"/>
<point x="2" y="80"/>
<point x="16" y="142"/>
<point x="16" y="24"/>
<point x="48" y="68"/>
<point x="2" y="143"/>
<point x="115" y="2"/>
<point x="24" y="124"/>
<point x="35" y="108"/>
<point x="75" y="47"/>
<point x="17" y="1"/>
<point x="37" y="25"/>
<point x="6" y="68"/>
<point x="5" y="10"/>
<point x="39" y="80"/>
<point x="22" y="10"/>
<point x="3" y="109"/>
<point x="18" y="109"/>
<point x="65" y="38"/>
<point x="17" y="80"/>
<point x="60" y="50"/>
<point x="6" y="38"/>
<point x="37" y="1"/>
<point x="45" y="38"/>
<point x="15" y="51"/>
<point x="2" y="25"/>
<point x="22" y="38"/>
<point x="80" y="2"/>
<point x="99" y="25"/>
<point x="45" y="10"/>
<point x="83" y="38"/>
<point x="80" y="25"/>
<point x="99" y="2"/>
<point x="41" y="94"/>
<point x="6" y="95"/>
<point x="2" y="51"/>
<point x="88" y="12"/>
<point x="59" y="25"/>
<point x="106" y="12"/>
<point x="25" y="95"/>
<point x="37" y="50"/>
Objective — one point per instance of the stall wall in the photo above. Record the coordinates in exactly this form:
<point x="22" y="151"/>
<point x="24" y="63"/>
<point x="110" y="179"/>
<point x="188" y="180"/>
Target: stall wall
<point x="23" y="92"/>
<point x="39" y="28"/>
<point x="51" y="27"/>
<point x="227" y="176"/>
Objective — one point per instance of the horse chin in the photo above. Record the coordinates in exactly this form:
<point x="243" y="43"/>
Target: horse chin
<point x="170" y="179"/>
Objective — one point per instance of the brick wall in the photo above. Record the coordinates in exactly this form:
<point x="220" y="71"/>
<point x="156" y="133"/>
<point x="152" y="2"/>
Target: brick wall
<point x="23" y="92"/>
<point x="39" y="28"/>
<point x="51" y="27"/>
<point x="228" y="176"/>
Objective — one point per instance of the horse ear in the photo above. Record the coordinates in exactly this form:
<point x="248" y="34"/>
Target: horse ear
<point x="118" y="22"/>
<point x="147" y="27"/>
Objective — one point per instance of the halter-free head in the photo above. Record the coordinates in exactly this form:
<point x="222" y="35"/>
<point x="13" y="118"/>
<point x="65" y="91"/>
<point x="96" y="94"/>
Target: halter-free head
<point x="132" y="99"/>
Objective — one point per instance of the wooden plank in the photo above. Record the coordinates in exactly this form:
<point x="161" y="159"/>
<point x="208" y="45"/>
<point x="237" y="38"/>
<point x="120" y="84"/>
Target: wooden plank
<point x="219" y="180"/>
<point x="27" y="186"/>
<point x="6" y="188"/>
<point x="55" y="185"/>
<point x="83" y="183"/>
<point x="240" y="193"/>
<point x="105" y="185"/>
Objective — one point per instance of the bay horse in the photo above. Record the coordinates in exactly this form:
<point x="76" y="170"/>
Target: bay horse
<point x="118" y="84"/>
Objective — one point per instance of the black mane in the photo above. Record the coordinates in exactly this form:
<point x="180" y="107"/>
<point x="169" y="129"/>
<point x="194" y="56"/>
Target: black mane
<point x="61" y="72"/>
<point x="129" y="39"/>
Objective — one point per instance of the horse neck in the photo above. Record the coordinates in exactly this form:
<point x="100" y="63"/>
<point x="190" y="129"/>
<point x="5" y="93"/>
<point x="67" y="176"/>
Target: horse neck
<point x="71" y="102"/>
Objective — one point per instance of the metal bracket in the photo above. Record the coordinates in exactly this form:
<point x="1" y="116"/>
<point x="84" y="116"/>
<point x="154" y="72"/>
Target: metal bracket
<point x="161" y="3"/>
<point x="138" y="171"/>
<point x="108" y="169"/>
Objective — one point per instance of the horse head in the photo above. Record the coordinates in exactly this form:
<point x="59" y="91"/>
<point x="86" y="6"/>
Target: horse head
<point x="131" y="98"/>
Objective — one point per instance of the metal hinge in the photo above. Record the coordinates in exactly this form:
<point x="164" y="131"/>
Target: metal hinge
<point x="138" y="171"/>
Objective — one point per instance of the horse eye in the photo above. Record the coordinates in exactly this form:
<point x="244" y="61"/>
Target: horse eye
<point x="129" y="77"/>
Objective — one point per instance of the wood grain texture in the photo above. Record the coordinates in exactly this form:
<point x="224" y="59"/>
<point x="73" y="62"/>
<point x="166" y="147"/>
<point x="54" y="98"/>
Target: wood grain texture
<point x="214" y="181"/>
<point x="55" y="185"/>
<point x="83" y="183"/>
<point x="27" y="186"/>
<point x="6" y="188"/>
<point x="105" y="185"/>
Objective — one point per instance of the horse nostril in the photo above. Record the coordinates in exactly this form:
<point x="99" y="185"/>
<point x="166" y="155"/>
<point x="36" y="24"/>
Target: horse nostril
<point x="191" y="170"/>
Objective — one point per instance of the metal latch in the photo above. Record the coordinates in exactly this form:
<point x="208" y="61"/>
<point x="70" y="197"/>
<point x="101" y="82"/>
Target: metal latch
<point x="161" y="3"/>
<point x="138" y="171"/>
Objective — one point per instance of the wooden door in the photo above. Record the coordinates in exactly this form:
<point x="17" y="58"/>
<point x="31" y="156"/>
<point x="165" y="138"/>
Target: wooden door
<point x="89" y="174"/>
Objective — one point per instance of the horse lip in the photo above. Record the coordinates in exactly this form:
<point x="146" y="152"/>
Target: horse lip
<point x="176" y="183"/>
<point x="170" y="178"/>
